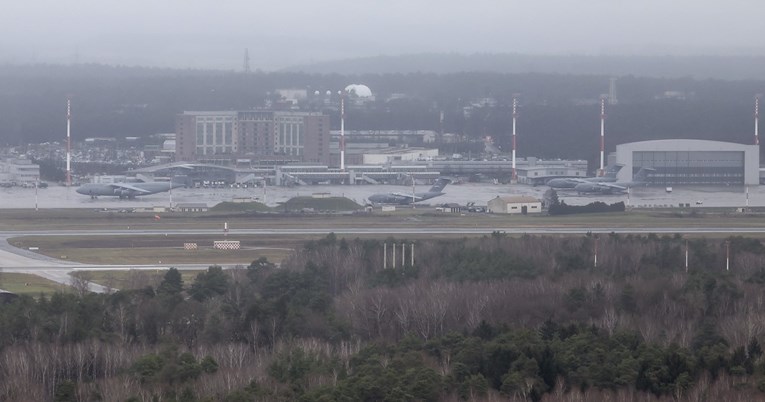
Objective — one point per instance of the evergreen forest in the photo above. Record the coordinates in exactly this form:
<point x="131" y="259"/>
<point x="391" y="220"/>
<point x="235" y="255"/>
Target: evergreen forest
<point x="529" y="318"/>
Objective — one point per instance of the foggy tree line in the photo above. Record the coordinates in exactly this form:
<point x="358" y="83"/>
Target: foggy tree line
<point x="558" y="114"/>
<point x="704" y="67"/>
<point x="528" y="318"/>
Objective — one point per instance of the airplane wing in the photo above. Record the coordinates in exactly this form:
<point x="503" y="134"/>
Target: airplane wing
<point x="125" y="186"/>
<point x="410" y="196"/>
<point x="612" y="186"/>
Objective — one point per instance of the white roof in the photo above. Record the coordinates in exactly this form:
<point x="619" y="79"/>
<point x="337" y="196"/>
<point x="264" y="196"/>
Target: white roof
<point x="360" y="90"/>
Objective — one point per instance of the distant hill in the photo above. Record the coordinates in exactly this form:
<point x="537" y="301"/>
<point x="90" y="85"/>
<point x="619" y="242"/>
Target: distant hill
<point x="701" y="67"/>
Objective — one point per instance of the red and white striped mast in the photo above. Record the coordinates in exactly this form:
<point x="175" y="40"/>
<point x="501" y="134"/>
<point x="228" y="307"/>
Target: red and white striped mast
<point x="757" y="119"/>
<point x="602" y="134"/>
<point x="68" y="141"/>
<point x="515" y="116"/>
<point x="342" y="130"/>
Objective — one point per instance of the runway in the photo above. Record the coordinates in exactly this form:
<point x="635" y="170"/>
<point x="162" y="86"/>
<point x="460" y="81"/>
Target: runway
<point x="538" y="230"/>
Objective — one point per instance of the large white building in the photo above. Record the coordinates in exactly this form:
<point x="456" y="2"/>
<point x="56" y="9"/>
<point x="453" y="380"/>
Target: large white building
<point x="19" y="171"/>
<point x="691" y="162"/>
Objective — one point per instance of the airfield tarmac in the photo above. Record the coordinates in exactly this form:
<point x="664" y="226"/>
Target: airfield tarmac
<point x="479" y="193"/>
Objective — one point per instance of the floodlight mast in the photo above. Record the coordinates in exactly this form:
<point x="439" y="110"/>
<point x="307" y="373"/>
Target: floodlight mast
<point x="515" y="116"/>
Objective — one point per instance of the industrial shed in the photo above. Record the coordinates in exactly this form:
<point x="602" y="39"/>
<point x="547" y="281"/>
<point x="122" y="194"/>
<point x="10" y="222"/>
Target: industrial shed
<point x="522" y="204"/>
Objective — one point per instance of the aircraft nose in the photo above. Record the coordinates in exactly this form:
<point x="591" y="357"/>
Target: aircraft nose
<point x="80" y="191"/>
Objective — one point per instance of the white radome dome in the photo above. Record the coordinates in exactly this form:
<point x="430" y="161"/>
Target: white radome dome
<point x="360" y="90"/>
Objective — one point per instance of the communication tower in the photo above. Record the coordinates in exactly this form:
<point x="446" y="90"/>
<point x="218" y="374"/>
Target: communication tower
<point x="68" y="141"/>
<point x="515" y="116"/>
<point x="246" y="60"/>
<point x="757" y="119"/>
<point x="602" y="133"/>
<point x="342" y="130"/>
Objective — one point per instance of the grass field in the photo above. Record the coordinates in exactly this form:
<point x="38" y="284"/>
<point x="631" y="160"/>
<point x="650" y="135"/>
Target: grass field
<point x="29" y="284"/>
<point x="132" y="279"/>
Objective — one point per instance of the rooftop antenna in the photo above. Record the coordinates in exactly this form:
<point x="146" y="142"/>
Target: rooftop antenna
<point x="246" y="60"/>
<point x="602" y="132"/>
<point x="515" y="116"/>
<point x="68" y="141"/>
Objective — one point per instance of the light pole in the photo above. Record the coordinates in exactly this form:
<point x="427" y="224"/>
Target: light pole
<point x="596" y="251"/>
<point x="727" y="255"/>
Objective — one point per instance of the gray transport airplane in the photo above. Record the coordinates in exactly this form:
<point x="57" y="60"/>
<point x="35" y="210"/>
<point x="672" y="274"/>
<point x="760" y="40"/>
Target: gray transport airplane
<point x="614" y="188"/>
<point x="571" y="182"/>
<point x="128" y="190"/>
<point x="405" y="199"/>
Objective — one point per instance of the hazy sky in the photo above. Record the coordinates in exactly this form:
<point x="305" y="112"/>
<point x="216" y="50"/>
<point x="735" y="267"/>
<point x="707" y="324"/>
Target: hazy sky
<point x="214" y="34"/>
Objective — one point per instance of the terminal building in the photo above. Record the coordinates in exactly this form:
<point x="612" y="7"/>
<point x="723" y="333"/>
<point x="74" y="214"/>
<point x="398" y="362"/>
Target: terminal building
<point x="690" y="162"/>
<point x="223" y="137"/>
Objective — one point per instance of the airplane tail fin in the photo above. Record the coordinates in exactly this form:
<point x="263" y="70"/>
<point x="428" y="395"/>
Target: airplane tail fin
<point x="642" y="175"/>
<point x="612" y="170"/>
<point x="439" y="185"/>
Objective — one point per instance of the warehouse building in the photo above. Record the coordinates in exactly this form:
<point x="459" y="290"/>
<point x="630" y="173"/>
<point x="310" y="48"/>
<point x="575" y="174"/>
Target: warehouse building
<point x="690" y="162"/>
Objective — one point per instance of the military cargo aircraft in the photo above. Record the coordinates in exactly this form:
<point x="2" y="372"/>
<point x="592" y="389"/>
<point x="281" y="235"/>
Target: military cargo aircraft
<point x="405" y="199"/>
<point x="616" y="187"/>
<point x="127" y="190"/>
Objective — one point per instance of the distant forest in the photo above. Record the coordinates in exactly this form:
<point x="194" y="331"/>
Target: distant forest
<point x="559" y="114"/>
<point x="729" y="67"/>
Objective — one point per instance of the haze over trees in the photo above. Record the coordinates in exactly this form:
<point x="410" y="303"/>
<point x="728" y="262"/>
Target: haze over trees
<point x="727" y="67"/>
<point x="527" y="318"/>
<point x="559" y="114"/>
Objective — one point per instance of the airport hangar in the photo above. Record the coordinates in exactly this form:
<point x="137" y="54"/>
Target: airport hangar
<point x="690" y="162"/>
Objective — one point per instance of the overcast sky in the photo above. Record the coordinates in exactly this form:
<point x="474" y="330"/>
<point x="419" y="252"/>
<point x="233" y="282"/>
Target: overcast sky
<point x="281" y="33"/>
